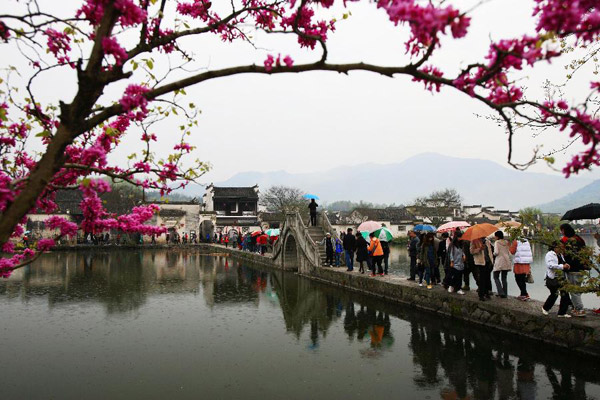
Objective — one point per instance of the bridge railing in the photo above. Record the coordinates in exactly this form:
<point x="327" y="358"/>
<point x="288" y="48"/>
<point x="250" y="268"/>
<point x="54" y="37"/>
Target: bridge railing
<point x="310" y="250"/>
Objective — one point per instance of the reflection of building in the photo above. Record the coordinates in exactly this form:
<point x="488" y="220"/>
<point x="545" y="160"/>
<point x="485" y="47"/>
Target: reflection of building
<point x="232" y="206"/>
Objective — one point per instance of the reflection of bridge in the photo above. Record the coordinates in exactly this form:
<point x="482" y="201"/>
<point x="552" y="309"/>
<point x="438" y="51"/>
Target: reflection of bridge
<point x="297" y="247"/>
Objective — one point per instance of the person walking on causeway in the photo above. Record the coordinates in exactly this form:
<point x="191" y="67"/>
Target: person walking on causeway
<point x="555" y="262"/>
<point x="349" y="249"/>
<point x="522" y="264"/>
<point x="502" y="263"/>
<point x="362" y="254"/>
<point x="428" y="257"/>
<point x="376" y="252"/>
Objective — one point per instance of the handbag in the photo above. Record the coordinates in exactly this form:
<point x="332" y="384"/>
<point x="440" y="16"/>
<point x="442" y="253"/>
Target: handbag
<point x="530" y="278"/>
<point x="552" y="283"/>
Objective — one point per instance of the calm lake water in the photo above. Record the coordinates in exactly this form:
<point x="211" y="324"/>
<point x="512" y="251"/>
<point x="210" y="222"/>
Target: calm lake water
<point x="400" y="265"/>
<point x="158" y="324"/>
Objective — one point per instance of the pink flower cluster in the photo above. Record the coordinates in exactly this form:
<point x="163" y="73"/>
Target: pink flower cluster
<point x="425" y="21"/>
<point x="564" y="17"/>
<point x="184" y="147"/>
<point x="430" y="85"/>
<point x="7" y="265"/>
<point x="134" y="98"/>
<point x="4" y="32"/>
<point x="129" y="13"/>
<point x="67" y="228"/>
<point x="307" y="27"/>
<point x="58" y="44"/>
<point x="113" y="48"/>
<point x="272" y="61"/>
<point x="197" y="9"/>
<point x="503" y="57"/>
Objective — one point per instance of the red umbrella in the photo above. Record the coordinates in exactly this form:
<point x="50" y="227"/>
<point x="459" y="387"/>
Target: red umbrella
<point x="255" y="233"/>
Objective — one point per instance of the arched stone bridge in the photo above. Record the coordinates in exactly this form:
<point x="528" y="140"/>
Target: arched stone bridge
<point x="297" y="248"/>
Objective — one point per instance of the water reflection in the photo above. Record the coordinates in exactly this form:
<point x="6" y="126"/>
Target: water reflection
<point x="421" y="354"/>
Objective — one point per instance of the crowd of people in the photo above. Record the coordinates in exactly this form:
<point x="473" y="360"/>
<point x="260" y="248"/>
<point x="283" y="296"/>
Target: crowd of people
<point x="486" y="260"/>
<point x="254" y="242"/>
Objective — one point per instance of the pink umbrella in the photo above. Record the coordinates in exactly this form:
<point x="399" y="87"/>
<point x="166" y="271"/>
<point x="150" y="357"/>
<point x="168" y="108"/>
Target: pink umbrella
<point x="452" y="225"/>
<point x="369" y="226"/>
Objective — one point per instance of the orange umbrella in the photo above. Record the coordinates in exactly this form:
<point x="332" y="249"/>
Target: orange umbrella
<point x="479" y="231"/>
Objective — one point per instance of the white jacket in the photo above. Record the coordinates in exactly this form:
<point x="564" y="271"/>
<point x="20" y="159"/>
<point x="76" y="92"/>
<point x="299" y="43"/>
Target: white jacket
<point x="523" y="255"/>
<point x="552" y="264"/>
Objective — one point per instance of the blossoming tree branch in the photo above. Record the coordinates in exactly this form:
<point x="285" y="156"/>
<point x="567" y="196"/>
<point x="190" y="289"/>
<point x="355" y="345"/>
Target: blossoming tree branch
<point x="78" y="134"/>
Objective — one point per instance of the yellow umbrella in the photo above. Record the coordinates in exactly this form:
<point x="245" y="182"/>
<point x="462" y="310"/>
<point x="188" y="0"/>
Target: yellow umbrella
<point x="479" y="231"/>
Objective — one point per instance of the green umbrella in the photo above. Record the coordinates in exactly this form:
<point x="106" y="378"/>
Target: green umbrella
<point x="384" y="234"/>
<point x="272" y="232"/>
<point x="365" y="234"/>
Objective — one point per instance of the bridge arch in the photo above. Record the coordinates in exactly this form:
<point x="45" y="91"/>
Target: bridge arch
<point x="290" y="256"/>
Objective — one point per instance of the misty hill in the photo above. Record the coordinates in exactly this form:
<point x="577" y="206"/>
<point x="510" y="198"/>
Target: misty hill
<point x="478" y="181"/>
<point x="583" y="196"/>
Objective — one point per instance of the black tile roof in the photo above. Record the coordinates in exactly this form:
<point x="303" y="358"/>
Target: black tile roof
<point x="235" y="192"/>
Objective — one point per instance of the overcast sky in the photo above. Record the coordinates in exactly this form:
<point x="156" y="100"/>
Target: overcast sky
<point x="315" y="121"/>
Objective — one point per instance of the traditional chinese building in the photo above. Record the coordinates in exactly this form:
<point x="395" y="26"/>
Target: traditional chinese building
<point x="233" y="206"/>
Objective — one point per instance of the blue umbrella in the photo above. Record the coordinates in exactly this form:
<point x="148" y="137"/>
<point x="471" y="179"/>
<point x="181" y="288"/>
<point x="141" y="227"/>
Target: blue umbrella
<point x="424" y="228"/>
<point x="311" y="196"/>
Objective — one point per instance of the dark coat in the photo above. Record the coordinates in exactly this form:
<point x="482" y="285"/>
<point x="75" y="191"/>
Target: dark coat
<point x="413" y="247"/>
<point x="423" y="256"/>
<point x="349" y="243"/>
<point x="362" y="254"/>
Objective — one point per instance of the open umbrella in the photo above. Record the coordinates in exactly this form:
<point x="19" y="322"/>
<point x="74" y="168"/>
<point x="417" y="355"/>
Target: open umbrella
<point x="479" y="231"/>
<point x="272" y="232"/>
<point x="255" y="233"/>
<point x="424" y="228"/>
<point x="589" y="211"/>
<point x="452" y="225"/>
<point x="311" y="196"/>
<point x="383" y="234"/>
<point x="369" y="226"/>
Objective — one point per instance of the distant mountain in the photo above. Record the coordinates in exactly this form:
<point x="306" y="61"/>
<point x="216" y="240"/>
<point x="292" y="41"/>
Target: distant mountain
<point x="478" y="181"/>
<point x="583" y="196"/>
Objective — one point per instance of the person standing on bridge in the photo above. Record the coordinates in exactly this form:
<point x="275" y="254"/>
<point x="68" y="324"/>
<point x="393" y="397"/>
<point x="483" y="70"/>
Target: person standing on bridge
<point x="349" y="249"/>
<point x="312" y="206"/>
